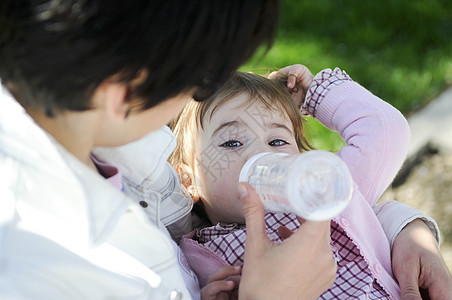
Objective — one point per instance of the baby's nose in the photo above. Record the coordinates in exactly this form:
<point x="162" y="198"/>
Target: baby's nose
<point x="260" y="149"/>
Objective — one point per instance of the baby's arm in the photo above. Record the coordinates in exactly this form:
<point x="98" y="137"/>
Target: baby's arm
<point x="423" y="267"/>
<point x="377" y="134"/>
<point x="392" y="214"/>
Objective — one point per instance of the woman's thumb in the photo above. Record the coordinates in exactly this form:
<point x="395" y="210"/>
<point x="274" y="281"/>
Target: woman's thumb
<point x="254" y="213"/>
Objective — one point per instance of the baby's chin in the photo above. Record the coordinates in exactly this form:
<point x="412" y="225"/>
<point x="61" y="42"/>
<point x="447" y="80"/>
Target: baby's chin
<point x="227" y="222"/>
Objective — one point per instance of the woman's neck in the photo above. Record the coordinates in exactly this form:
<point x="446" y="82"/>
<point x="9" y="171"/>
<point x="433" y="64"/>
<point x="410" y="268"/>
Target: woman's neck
<point x="73" y="130"/>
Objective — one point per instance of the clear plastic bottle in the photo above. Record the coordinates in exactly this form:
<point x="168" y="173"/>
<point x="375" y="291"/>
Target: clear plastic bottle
<point x="316" y="185"/>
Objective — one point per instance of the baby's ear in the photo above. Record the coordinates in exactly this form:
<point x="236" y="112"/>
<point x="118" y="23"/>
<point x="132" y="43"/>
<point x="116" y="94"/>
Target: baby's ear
<point x="187" y="180"/>
<point x="185" y="175"/>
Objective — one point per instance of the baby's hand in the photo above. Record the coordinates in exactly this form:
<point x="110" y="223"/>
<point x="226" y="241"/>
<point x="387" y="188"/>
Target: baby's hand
<point x="222" y="284"/>
<point x="299" y="78"/>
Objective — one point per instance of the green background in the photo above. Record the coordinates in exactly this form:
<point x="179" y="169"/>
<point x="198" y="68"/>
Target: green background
<point x="400" y="50"/>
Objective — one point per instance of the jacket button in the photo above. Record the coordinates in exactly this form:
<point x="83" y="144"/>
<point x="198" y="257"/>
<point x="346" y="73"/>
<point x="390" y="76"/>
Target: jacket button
<point x="175" y="295"/>
<point x="144" y="204"/>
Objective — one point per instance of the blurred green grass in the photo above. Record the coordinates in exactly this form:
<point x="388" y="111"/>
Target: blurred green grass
<point x="401" y="50"/>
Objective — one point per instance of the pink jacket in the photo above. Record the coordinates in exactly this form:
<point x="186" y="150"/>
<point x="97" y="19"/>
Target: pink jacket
<point x="377" y="137"/>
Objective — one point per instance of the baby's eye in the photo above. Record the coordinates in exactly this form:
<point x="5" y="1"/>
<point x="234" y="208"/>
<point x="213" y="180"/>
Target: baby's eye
<point x="278" y="142"/>
<point x="231" y="144"/>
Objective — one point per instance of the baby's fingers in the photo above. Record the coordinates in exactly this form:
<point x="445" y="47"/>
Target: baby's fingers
<point x="298" y="78"/>
<point x="221" y="283"/>
<point x="293" y="74"/>
<point x="224" y="273"/>
<point x="218" y="290"/>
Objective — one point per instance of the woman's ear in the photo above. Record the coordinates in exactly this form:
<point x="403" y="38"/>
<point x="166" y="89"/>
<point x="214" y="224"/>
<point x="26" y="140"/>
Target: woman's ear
<point x="118" y="106"/>
<point x="112" y="97"/>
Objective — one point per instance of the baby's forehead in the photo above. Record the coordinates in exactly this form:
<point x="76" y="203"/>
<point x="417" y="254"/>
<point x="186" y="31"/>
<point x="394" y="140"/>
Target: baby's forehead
<point x="244" y="111"/>
<point x="245" y="104"/>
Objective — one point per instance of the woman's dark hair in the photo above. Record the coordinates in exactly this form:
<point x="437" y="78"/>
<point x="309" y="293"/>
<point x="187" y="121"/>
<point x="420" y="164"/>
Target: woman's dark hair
<point x="56" y="52"/>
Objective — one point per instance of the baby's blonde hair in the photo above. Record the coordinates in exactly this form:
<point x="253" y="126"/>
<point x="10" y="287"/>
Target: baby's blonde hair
<point x="270" y="93"/>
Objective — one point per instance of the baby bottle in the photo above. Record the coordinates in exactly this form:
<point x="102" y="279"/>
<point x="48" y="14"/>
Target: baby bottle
<point x="315" y="185"/>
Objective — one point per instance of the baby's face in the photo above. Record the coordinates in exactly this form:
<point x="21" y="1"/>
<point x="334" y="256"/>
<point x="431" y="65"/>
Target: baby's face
<point x="238" y="130"/>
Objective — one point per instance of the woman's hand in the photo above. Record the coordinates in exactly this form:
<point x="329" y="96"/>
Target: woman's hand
<point x="299" y="78"/>
<point x="300" y="267"/>
<point x="222" y="284"/>
<point x="418" y="265"/>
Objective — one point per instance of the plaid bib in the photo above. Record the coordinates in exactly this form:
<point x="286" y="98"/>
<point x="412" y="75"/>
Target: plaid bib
<point x="354" y="279"/>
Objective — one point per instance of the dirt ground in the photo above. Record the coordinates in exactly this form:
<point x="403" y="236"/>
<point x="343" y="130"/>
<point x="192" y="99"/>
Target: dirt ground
<point x="427" y="186"/>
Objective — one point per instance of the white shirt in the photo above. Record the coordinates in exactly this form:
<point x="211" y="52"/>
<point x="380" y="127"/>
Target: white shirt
<point x="66" y="233"/>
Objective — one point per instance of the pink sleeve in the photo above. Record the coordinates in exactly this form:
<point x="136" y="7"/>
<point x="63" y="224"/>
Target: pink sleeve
<point x="377" y="135"/>
<point x="202" y="260"/>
